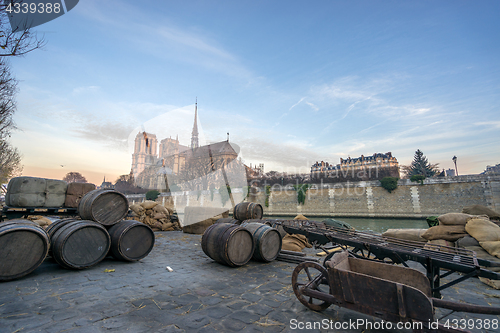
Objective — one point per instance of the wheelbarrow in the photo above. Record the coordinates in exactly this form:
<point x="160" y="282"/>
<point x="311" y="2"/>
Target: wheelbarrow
<point x="392" y="293"/>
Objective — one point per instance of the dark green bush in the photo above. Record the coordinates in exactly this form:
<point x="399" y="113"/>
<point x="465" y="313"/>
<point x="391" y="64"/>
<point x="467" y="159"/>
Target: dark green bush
<point x="152" y="195"/>
<point x="418" y="178"/>
<point x="389" y="183"/>
<point x="301" y="192"/>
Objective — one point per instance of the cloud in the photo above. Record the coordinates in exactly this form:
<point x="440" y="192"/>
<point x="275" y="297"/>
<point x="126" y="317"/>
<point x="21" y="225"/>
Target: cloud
<point x="87" y="89"/>
<point x="165" y="40"/>
<point x="314" y="107"/>
<point x="296" y="104"/>
<point x="492" y="124"/>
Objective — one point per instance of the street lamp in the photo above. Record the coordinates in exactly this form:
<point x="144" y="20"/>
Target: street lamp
<point x="454" y="159"/>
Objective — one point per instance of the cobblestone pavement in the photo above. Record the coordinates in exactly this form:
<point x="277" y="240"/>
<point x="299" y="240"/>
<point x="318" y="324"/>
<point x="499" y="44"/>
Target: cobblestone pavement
<point x="199" y="295"/>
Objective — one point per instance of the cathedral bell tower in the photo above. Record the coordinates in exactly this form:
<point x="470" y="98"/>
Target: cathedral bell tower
<point x="194" y="134"/>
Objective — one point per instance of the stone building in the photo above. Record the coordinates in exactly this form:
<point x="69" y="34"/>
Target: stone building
<point x="144" y="152"/>
<point x="376" y="166"/>
<point x="178" y="162"/>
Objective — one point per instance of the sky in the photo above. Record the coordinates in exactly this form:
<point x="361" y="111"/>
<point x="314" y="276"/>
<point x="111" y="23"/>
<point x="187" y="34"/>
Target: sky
<point x="292" y="82"/>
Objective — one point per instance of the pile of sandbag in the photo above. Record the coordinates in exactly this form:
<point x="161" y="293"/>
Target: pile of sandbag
<point x="154" y="215"/>
<point x="451" y="227"/>
<point x="485" y="241"/>
<point x="486" y="233"/>
<point x="481" y="210"/>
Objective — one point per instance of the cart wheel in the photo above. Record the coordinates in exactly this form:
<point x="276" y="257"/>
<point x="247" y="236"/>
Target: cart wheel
<point x="313" y="276"/>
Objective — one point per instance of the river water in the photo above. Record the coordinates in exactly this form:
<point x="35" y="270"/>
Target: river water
<point x="376" y="225"/>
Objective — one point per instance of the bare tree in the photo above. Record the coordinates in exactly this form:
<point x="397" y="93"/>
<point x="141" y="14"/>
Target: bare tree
<point x="16" y="41"/>
<point x="10" y="161"/>
<point x="8" y="89"/>
<point x="74" y="177"/>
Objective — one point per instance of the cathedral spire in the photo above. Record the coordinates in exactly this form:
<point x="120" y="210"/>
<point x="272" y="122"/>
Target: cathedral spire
<point x="194" y="134"/>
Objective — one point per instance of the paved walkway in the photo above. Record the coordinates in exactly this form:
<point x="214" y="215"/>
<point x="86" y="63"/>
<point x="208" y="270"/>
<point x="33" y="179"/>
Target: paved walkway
<point x="199" y="295"/>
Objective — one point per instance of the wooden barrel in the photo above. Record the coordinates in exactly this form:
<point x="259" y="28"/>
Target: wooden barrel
<point x="55" y="225"/>
<point x="23" y="247"/>
<point x="228" y="220"/>
<point x="228" y="244"/>
<point x="107" y="207"/>
<point x="131" y="240"/>
<point x="247" y="210"/>
<point x="267" y="241"/>
<point x="80" y="244"/>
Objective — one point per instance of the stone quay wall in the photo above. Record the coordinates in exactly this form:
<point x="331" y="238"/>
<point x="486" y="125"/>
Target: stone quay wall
<point x="368" y="199"/>
<point x="360" y="199"/>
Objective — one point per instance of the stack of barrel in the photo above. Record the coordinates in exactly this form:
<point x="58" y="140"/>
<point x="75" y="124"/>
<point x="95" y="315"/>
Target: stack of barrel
<point x="234" y="241"/>
<point x="75" y="243"/>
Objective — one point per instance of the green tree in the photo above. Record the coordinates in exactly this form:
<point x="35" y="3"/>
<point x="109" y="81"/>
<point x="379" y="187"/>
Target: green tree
<point x="420" y="166"/>
<point x="389" y="183"/>
<point x="152" y="195"/>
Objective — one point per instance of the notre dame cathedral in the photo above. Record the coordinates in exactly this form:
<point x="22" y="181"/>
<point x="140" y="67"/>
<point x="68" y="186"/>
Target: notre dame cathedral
<point x="152" y="164"/>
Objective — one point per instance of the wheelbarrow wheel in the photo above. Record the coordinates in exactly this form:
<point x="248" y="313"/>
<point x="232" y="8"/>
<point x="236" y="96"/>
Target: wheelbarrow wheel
<point x="313" y="276"/>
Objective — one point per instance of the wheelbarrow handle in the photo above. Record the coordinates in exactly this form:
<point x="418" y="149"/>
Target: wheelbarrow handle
<point x="465" y="307"/>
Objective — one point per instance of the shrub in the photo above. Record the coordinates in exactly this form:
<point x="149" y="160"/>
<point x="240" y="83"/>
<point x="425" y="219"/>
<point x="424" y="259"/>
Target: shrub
<point x="152" y="195"/>
<point x="389" y="183"/>
<point x="268" y="193"/>
<point x="301" y="192"/>
<point x="418" y="178"/>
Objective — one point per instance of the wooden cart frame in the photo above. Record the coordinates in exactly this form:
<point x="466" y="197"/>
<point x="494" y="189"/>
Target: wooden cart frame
<point x="392" y="293"/>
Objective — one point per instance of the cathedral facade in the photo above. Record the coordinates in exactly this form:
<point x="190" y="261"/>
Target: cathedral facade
<point x="152" y="167"/>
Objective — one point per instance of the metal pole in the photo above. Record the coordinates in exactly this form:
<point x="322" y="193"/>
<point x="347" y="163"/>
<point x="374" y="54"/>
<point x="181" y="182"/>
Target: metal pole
<point x="455" y="161"/>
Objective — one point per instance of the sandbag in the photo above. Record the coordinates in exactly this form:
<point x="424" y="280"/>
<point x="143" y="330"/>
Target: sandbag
<point x="483" y="230"/>
<point x="467" y="241"/>
<point x="138" y="209"/>
<point x="447" y="232"/>
<point x="453" y="219"/>
<point x="482" y="254"/>
<point x="295" y="242"/>
<point x="148" y="204"/>
<point x="406" y="234"/>
<point x="481" y="210"/>
<point x="159" y="209"/>
<point x="492" y="248"/>
<point x="159" y="216"/>
<point x="300" y="217"/>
